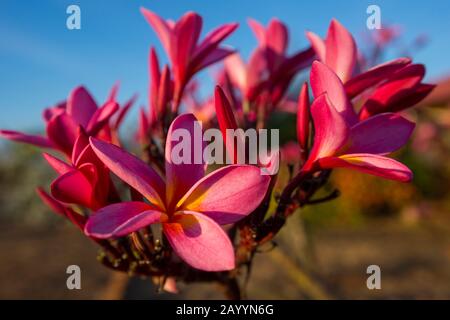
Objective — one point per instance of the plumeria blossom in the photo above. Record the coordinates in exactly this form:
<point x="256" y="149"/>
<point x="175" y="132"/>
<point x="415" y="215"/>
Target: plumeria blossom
<point x="85" y="181"/>
<point x="190" y="206"/>
<point x="180" y="41"/>
<point x="282" y="68"/>
<point x="340" y="141"/>
<point x="392" y="86"/>
<point x="63" y="120"/>
<point x="269" y="68"/>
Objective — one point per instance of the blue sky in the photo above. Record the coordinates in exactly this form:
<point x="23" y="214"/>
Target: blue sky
<point x="41" y="60"/>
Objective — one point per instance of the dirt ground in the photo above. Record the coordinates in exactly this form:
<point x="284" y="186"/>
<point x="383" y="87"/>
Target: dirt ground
<point x="415" y="264"/>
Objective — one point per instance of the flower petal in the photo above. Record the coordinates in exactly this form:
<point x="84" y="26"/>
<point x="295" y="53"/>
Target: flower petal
<point x="49" y="113"/>
<point x="259" y="31"/>
<point x="318" y="45"/>
<point x="57" y="164"/>
<point x="121" y="219"/>
<point x="73" y="187"/>
<point x="323" y="79"/>
<point x="389" y="94"/>
<point x="212" y="40"/>
<point x="380" y="134"/>
<point x="303" y="118"/>
<point x="186" y="34"/>
<point x="63" y="131"/>
<point x="277" y="36"/>
<point x="340" y="51"/>
<point x="224" y="194"/>
<point x="214" y="56"/>
<point x="200" y="242"/>
<point x="331" y="130"/>
<point x="235" y="67"/>
<point x="226" y="119"/>
<point x="181" y="176"/>
<point x="80" y="144"/>
<point x="132" y="170"/>
<point x="101" y="117"/>
<point x="123" y="111"/>
<point x="81" y="106"/>
<point x="370" y="163"/>
<point x="38" y="141"/>
<point x="162" y="28"/>
<point x="373" y="76"/>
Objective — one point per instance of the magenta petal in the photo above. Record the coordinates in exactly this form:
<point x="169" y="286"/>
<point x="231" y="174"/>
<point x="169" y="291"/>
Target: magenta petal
<point x="73" y="187"/>
<point x="303" y="118"/>
<point x="132" y="170"/>
<point x="213" y="39"/>
<point x="380" y="134"/>
<point x="58" y="165"/>
<point x="113" y="92"/>
<point x="181" y="176"/>
<point x="373" y="76"/>
<point x="370" y="163"/>
<point x="101" y="117"/>
<point x="186" y="34"/>
<point x="162" y="28"/>
<point x="340" y="51"/>
<point x="389" y="94"/>
<point x="63" y="131"/>
<point x="49" y="113"/>
<point x="81" y="106"/>
<point x="38" y="141"/>
<point x="323" y="79"/>
<point x="121" y="219"/>
<point x="277" y="36"/>
<point x="259" y="31"/>
<point x="80" y="144"/>
<point x="200" y="242"/>
<point x="226" y="120"/>
<point x="318" y="45"/>
<point x="224" y="194"/>
<point x="124" y="111"/>
<point x="236" y="69"/>
<point x="214" y="56"/>
<point x="331" y="130"/>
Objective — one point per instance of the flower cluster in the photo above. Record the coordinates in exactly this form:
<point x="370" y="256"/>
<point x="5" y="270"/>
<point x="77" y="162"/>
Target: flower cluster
<point x="180" y="221"/>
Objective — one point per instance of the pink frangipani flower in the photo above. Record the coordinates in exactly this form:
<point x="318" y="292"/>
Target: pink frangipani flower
<point x="269" y="68"/>
<point x="190" y="206"/>
<point x="393" y="86"/>
<point x="63" y="121"/>
<point x="179" y="40"/>
<point x="361" y="146"/>
<point x="85" y="181"/>
<point x="340" y="140"/>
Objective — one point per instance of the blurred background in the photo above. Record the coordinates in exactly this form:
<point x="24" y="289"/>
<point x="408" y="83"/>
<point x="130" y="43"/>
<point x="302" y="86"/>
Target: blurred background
<point x="403" y="228"/>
